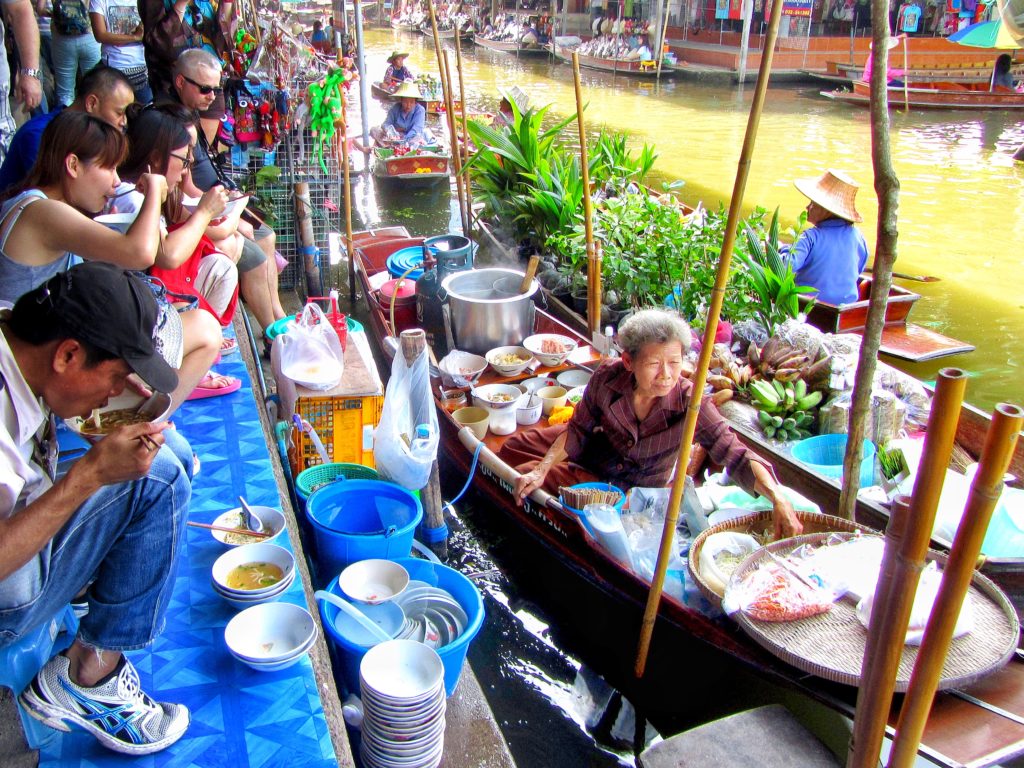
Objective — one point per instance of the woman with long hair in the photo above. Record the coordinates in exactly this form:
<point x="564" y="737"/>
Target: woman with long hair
<point x="47" y="226"/>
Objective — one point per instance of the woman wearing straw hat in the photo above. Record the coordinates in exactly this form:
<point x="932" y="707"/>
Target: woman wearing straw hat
<point x="831" y="255"/>
<point x="405" y="121"/>
<point x="397" y="72"/>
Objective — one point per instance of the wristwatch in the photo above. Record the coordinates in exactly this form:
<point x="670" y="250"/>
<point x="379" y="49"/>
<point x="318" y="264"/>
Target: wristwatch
<point x="29" y="72"/>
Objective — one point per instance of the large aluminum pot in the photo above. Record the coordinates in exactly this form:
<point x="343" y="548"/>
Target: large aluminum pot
<point x="485" y="315"/>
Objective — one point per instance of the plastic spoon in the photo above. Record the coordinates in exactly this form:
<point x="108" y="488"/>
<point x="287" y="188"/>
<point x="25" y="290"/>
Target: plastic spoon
<point x="378" y="634"/>
<point x="250" y="518"/>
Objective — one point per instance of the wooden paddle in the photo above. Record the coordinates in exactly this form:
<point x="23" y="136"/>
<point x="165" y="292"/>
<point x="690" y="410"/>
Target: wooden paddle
<point x="915" y="278"/>
<point x="531" y="270"/>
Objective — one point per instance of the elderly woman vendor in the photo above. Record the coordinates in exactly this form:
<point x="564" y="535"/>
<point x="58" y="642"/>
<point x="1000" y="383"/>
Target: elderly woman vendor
<point x="627" y="428"/>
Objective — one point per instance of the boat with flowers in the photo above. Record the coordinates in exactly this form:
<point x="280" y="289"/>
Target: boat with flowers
<point x="720" y="656"/>
<point x="425" y="165"/>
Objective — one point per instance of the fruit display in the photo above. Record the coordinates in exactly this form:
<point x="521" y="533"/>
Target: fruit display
<point x="785" y="410"/>
<point x="782" y="362"/>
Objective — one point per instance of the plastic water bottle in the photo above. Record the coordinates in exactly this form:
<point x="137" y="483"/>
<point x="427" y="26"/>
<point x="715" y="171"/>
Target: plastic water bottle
<point x="421" y="443"/>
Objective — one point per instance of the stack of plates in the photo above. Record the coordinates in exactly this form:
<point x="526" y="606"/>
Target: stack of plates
<point x="432" y="615"/>
<point x="402" y="686"/>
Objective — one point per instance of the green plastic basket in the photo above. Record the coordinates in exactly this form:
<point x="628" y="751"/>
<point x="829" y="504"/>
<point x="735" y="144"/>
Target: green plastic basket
<point x="278" y="327"/>
<point x="323" y="474"/>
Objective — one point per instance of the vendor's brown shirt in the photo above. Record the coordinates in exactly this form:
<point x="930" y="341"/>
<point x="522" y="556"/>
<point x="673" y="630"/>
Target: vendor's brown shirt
<point x="605" y="436"/>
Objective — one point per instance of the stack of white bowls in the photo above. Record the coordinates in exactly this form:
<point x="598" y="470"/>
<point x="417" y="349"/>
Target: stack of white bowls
<point x="270" y="637"/>
<point x="402" y="686"/>
<point x="253" y="553"/>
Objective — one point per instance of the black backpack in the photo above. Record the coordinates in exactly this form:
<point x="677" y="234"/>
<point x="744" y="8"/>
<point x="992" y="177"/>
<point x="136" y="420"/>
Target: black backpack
<point x="70" y="17"/>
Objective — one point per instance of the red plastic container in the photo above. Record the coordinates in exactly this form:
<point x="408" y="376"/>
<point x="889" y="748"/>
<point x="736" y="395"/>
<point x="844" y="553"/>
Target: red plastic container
<point x="337" y="319"/>
<point x="405" y="302"/>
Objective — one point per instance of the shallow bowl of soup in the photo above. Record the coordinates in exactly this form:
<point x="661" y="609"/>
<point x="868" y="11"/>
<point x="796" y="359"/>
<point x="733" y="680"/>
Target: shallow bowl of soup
<point x="252" y="570"/>
<point x="126" y="408"/>
<point x="267" y="636"/>
<point x="272" y="519"/>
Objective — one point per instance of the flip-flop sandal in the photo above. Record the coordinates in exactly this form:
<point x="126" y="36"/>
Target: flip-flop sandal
<point x="228" y="346"/>
<point x="201" y="392"/>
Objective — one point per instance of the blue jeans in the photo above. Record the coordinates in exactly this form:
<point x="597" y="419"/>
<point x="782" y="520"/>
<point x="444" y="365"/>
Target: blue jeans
<point x="72" y="53"/>
<point x="125" y="539"/>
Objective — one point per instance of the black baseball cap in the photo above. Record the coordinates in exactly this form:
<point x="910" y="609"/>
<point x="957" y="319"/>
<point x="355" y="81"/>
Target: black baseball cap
<point x="113" y="309"/>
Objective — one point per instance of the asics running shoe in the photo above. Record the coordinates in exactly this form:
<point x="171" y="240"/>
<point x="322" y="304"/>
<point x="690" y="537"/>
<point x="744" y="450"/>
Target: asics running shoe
<point x="117" y="711"/>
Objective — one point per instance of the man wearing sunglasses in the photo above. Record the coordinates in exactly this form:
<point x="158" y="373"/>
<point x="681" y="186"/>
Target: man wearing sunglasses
<point x="196" y="85"/>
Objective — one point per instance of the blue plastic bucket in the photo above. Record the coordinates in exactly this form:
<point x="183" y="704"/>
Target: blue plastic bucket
<point x="600" y="487"/>
<point x="824" y="454"/>
<point x="452" y="655"/>
<point x="453" y="252"/>
<point x="361" y="519"/>
<point x="405" y="259"/>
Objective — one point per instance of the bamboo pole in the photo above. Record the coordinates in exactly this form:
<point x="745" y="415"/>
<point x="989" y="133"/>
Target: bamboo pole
<point x="887" y="188"/>
<point x="711" y="327"/>
<point x="906" y="71"/>
<point x="307" y="238"/>
<point x="661" y="42"/>
<point x="349" y="246"/>
<point x="465" y="135"/>
<point x="460" y="180"/>
<point x="593" y="278"/>
<point x="1000" y="442"/>
<point x="892" y="605"/>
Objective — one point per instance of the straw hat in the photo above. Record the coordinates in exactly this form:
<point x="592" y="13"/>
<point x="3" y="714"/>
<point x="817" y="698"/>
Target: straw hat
<point x="893" y="42"/>
<point x="834" y="191"/>
<point x="397" y="55"/>
<point x="407" y="90"/>
<point x="515" y="93"/>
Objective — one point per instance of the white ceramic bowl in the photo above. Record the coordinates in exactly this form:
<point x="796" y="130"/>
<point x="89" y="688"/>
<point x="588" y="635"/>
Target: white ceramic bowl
<point x="551" y="398"/>
<point x="119" y="222"/>
<point x="401" y="670"/>
<point x="270" y="633"/>
<point x="474" y="417"/>
<point x="155" y="408"/>
<point x="576" y="377"/>
<point x="251" y="553"/>
<point x="574" y="396"/>
<point x="536" y="344"/>
<point x="267" y="597"/>
<point x="532" y="385"/>
<point x="373" y="581"/>
<point x="272" y="519"/>
<point x="460" y="369"/>
<point x="488" y="396"/>
<point x="529" y="414"/>
<point x="524" y="356"/>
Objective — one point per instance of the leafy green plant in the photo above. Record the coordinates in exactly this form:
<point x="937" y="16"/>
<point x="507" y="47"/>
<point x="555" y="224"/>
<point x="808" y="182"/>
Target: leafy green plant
<point x="771" y="276"/>
<point x="258" y="185"/>
<point x="611" y="164"/>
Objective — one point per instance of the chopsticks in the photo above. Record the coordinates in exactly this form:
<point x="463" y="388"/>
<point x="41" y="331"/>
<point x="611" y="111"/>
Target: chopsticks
<point x="242" y="531"/>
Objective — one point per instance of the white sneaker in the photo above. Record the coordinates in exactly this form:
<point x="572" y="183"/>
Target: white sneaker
<point x="117" y="712"/>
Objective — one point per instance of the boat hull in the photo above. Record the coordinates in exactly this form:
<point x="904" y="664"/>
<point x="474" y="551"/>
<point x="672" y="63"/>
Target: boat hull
<point x="511" y="46"/>
<point x="422" y="169"/>
<point x="932" y="96"/>
<point x="630" y="67"/>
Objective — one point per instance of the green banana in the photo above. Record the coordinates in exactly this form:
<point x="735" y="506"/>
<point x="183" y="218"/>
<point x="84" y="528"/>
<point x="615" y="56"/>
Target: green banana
<point x="763" y="418"/>
<point x="780" y="390"/>
<point x="789" y="423"/>
<point x="800" y="389"/>
<point x="805" y="419"/>
<point x="790" y="398"/>
<point x="809" y="401"/>
<point x="764" y="393"/>
<point x="782" y="435"/>
<point x="777" y="421"/>
<point x="769" y="431"/>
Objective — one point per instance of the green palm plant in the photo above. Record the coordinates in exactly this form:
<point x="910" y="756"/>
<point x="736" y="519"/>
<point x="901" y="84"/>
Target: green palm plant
<point x="771" y="277"/>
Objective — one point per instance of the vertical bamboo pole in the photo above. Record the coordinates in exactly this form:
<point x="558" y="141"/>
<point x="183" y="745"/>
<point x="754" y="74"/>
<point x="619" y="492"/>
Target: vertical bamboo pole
<point x="349" y="248"/>
<point x="460" y="181"/>
<point x="906" y="71"/>
<point x="1000" y="443"/>
<point x="593" y="271"/>
<point x="442" y="66"/>
<point x="711" y="327"/>
<point x="660" y="53"/>
<point x="889" y="621"/>
<point x="467" y="193"/>
<point x="307" y="238"/>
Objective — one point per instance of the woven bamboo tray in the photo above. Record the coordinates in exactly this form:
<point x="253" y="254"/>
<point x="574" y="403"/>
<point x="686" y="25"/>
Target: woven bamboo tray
<point x="757" y="524"/>
<point x="831" y="645"/>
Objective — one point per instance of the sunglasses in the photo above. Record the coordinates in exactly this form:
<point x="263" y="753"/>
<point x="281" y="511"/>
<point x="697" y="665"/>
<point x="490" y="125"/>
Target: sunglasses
<point x="206" y="90"/>
<point x="186" y="160"/>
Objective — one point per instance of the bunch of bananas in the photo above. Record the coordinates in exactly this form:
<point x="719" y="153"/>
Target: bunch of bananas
<point x="779" y="361"/>
<point x="785" y="410"/>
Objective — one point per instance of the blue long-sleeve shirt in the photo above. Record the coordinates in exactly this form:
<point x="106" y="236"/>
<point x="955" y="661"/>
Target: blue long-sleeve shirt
<point x="829" y="257"/>
<point x="409" y="125"/>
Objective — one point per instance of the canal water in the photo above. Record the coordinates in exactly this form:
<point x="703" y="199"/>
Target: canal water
<point x="960" y="206"/>
<point x="961" y="202"/>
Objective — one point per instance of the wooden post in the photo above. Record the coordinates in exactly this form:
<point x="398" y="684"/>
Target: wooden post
<point x="892" y="615"/>
<point x="307" y="238"/>
<point x="414" y="345"/>
<point x="1000" y="443"/>
<point x="711" y="327"/>
<point x="465" y="136"/>
<point x="593" y="277"/>
<point x="460" y="181"/>
<point x="660" y="53"/>
<point x="349" y="247"/>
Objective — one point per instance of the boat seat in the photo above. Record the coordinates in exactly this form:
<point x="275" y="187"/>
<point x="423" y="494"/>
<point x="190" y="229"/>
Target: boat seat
<point x="21" y="661"/>
<point x="765" y="737"/>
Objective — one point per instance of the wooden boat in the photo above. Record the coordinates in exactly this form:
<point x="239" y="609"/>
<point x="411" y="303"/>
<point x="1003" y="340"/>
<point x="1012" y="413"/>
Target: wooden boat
<point x="433" y="102"/>
<point x="445" y="34"/>
<point x="631" y="67"/>
<point x="404" y="26"/>
<point x="900" y="339"/>
<point x="511" y="46"/>
<point x="423" y="166"/>
<point x="844" y="73"/>
<point x="940" y="95"/>
<point x="689" y="648"/>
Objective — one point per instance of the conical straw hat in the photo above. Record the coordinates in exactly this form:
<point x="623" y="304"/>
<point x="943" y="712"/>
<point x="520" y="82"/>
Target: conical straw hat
<point x="834" y="191"/>
<point x="407" y="90"/>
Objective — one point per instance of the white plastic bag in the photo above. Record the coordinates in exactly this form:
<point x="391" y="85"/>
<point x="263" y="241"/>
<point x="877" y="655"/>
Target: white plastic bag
<point x="400" y="455"/>
<point x="311" y="353"/>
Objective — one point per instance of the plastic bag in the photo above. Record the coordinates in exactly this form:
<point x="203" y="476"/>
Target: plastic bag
<point x="721" y="554"/>
<point x="311" y="354"/>
<point x="924" y="600"/>
<point x="401" y="454"/>
<point x="773" y="593"/>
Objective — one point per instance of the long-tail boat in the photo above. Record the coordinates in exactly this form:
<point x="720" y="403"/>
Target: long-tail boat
<point x="631" y="67"/>
<point x="511" y="46"/>
<point x="938" y="95"/>
<point x="691" y="652"/>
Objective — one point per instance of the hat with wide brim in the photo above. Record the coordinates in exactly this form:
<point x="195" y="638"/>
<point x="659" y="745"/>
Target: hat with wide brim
<point x="834" y="191"/>
<point x="407" y="90"/>
<point x="515" y="94"/>
<point x="397" y="55"/>
<point x="893" y="42"/>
